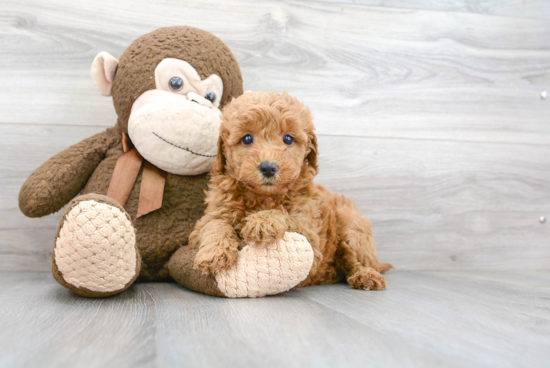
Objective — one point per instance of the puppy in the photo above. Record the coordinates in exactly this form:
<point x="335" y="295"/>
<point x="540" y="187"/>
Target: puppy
<point x="262" y="185"/>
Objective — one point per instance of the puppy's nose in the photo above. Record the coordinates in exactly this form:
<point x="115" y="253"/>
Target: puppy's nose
<point x="268" y="169"/>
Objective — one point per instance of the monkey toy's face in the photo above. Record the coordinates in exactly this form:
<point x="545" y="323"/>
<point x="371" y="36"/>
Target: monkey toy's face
<point x="169" y="107"/>
<point x="176" y="125"/>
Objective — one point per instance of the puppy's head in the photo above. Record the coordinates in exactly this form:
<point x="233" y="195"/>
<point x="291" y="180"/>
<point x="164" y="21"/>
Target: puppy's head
<point x="267" y="142"/>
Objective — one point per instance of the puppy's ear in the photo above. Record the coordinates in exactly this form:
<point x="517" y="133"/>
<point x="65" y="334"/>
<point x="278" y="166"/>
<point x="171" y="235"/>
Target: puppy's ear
<point x="311" y="158"/>
<point x="218" y="167"/>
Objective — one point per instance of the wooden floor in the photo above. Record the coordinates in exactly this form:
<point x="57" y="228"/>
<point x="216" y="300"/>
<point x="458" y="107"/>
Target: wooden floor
<point x="424" y="319"/>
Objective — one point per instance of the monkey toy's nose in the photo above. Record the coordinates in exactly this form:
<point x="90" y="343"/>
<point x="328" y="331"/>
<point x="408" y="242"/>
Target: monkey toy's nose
<point x="193" y="97"/>
<point x="268" y="169"/>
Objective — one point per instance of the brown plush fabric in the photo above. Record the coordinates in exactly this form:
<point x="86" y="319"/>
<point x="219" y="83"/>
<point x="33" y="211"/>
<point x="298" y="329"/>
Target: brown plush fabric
<point x="204" y="51"/>
<point x="161" y="232"/>
<point x="59" y="179"/>
<point x="181" y="269"/>
<point x="87" y="167"/>
<point x="55" y="271"/>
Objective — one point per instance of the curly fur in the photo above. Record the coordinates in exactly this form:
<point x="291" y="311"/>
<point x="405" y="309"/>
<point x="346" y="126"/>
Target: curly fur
<point x="243" y="205"/>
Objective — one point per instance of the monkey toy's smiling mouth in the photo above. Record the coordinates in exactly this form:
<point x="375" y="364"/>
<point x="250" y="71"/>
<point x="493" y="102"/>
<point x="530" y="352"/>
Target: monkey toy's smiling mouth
<point x="173" y="133"/>
<point x="183" y="148"/>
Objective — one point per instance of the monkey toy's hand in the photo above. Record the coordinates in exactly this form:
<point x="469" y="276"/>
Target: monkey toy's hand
<point x="63" y="176"/>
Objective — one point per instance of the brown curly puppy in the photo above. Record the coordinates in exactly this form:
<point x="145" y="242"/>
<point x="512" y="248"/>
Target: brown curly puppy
<point x="262" y="185"/>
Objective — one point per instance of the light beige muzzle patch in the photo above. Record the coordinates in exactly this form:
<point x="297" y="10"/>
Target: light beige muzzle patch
<point x="268" y="270"/>
<point x="96" y="249"/>
<point x="173" y="133"/>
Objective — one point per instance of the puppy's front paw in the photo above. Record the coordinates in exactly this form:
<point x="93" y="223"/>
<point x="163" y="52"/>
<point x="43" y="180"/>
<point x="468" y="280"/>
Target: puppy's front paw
<point x="264" y="227"/>
<point x="367" y="279"/>
<point x="215" y="257"/>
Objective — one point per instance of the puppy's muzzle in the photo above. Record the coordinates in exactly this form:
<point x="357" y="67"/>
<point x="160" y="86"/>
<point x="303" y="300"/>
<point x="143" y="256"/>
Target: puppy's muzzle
<point x="268" y="169"/>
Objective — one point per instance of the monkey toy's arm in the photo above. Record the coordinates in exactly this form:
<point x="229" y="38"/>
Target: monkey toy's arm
<point x="63" y="176"/>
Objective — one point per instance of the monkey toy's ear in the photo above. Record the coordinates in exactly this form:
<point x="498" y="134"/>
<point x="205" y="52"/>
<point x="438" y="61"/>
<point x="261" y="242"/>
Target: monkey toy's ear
<point x="103" y="72"/>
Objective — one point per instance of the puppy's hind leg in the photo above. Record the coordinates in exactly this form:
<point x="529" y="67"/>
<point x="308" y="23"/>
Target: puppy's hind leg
<point x="356" y="254"/>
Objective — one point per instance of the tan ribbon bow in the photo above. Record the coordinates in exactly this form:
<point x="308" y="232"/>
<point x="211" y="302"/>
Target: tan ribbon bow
<point x="125" y="175"/>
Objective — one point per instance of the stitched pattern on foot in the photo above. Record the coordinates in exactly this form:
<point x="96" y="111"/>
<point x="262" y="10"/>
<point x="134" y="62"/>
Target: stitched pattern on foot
<point x="268" y="270"/>
<point x="96" y="247"/>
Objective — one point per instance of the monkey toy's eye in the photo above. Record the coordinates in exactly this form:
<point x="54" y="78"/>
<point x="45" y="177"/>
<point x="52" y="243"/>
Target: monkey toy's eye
<point x="176" y="84"/>
<point x="247" y="140"/>
<point x="288" y="140"/>
<point x="210" y="96"/>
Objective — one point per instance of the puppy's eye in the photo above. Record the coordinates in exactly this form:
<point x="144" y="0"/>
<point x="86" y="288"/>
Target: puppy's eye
<point x="210" y="96"/>
<point x="176" y="84"/>
<point x="288" y="140"/>
<point x="247" y="140"/>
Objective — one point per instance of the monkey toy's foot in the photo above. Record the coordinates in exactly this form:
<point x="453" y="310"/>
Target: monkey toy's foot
<point x="95" y="251"/>
<point x="269" y="269"/>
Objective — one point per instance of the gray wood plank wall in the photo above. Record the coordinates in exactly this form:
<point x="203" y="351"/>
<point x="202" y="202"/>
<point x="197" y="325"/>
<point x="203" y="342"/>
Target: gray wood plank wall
<point x="429" y="113"/>
<point x="514" y="8"/>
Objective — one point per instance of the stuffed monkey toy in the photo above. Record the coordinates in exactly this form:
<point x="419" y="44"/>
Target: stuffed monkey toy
<point x="137" y="189"/>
